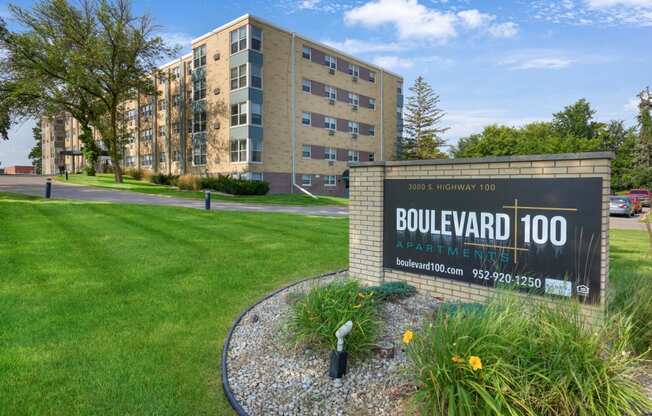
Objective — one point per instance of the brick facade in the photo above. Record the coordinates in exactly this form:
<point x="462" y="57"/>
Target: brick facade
<point x="366" y="213"/>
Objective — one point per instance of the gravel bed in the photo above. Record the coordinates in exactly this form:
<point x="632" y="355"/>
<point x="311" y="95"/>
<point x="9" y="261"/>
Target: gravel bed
<point x="267" y="377"/>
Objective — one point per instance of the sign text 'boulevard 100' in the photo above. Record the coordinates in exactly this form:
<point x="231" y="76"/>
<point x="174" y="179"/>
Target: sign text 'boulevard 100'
<point x="537" y="235"/>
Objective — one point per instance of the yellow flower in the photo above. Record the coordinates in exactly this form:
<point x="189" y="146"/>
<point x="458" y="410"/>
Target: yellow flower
<point x="475" y="362"/>
<point x="407" y="336"/>
<point x="457" y="360"/>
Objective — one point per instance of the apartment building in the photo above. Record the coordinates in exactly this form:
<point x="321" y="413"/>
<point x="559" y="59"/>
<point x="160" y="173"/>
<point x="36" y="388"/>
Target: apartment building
<point x="259" y="102"/>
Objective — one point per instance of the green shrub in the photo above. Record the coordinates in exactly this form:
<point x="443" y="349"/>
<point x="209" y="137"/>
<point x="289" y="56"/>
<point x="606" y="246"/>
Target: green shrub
<point x="89" y="170"/>
<point x="162" y="179"/>
<point x="133" y="173"/>
<point x="189" y="182"/>
<point x="630" y="295"/>
<point x="317" y="316"/>
<point x="535" y="360"/>
<point x="234" y="186"/>
<point x="391" y="291"/>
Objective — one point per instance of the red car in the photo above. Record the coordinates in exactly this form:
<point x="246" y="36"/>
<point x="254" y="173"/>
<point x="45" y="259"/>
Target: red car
<point x="643" y="194"/>
<point x="637" y="206"/>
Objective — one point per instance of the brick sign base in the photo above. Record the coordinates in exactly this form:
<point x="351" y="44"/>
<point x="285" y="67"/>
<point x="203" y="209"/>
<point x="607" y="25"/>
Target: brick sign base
<point x="367" y="201"/>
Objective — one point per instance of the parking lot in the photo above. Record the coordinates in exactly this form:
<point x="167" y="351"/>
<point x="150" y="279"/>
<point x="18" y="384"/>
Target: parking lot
<point x="624" y="223"/>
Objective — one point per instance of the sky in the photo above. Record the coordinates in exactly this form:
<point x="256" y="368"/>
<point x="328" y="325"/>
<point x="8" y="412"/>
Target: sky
<point x="505" y="62"/>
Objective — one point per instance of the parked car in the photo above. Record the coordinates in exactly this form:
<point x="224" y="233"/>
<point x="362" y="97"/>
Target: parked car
<point x="644" y="195"/>
<point x="621" y="205"/>
<point x="637" y="206"/>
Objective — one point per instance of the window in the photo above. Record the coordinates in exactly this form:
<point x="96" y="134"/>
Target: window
<point x="176" y="127"/>
<point x="162" y="104"/>
<point x="330" y="92"/>
<point x="306" y="85"/>
<point x="199" y="56"/>
<point x="161" y="157"/>
<point x="131" y="114"/>
<point x="256" y="114"/>
<point x="372" y="131"/>
<point x="199" y="152"/>
<point x="399" y="89"/>
<point x="372" y="103"/>
<point x="354" y="99"/>
<point x="256" y="150"/>
<point x="239" y="114"/>
<point x="129" y="160"/>
<point x="146" y="160"/>
<point x="371" y="157"/>
<point x="354" y="156"/>
<point x="372" y="76"/>
<point x="175" y="72"/>
<point x="131" y="138"/>
<point x="239" y="77"/>
<point x="306" y="180"/>
<point x="146" y="110"/>
<point x="199" y="89"/>
<point x="176" y="100"/>
<point x="354" y="127"/>
<point x="161" y="131"/>
<point x="354" y="70"/>
<point x="146" y="135"/>
<point x="330" y="61"/>
<point x="306" y="118"/>
<point x="330" y="180"/>
<point x="330" y="154"/>
<point x="239" y="150"/>
<point x="256" y="76"/>
<point x="199" y="121"/>
<point x="255" y="176"/>
<point x="256" y="38"/>
<point x="330" y="123"/>
<point x="239" y="40"/>
<point x="306" y="52"/>
<point x="306" y="151"/>
<point x="175" y="156"/>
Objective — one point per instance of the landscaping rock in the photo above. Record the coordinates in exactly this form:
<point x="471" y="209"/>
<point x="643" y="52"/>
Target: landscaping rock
<point x="269" y="377"/>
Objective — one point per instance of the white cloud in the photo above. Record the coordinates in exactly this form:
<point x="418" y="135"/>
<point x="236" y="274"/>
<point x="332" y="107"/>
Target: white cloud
<point x="631" y="106"/>
<point x="504" y="30"/>
<point x="474" y="18"/>
<point x="411" y="19"/>
<point x="174" y="39"/>
<point x="601" y="4"/>
<point x="393" y="62"/>
<point x="353" y="46"/>
<point x="463" y="123"/>
<point x="536" y="59"/>
<point x="398" y="63"/>
<point x="308" y="4"/>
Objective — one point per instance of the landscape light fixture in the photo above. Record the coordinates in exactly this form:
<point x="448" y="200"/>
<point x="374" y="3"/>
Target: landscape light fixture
<point x="338" y="357"/>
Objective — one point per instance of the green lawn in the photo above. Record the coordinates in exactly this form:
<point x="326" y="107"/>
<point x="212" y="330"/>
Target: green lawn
<point x="123" y="309"/>
<point x="107" y="181"/>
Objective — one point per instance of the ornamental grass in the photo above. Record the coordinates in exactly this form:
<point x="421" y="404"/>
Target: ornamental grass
<point x="516" y="357"/>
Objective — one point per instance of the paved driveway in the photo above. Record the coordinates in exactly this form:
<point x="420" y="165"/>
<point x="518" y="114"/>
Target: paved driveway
<point x="633" y="223"/>
<point x="35" y="185"/>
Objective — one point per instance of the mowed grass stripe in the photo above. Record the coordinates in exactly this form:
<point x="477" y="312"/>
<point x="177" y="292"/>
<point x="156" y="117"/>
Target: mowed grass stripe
<point x="123" y="309"/>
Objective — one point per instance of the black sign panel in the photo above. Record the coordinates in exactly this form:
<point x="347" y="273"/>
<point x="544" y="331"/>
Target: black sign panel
<point x="539" y="235"/>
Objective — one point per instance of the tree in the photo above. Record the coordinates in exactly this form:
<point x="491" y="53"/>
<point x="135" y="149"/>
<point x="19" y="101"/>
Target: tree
<point x="5" y="118"/>
<point x="85" y="60"/>
<point x="37" y="151"/>
<point x="576" y="120"/>
<point x="422" y="118"/>
<point x="644" y="145"/>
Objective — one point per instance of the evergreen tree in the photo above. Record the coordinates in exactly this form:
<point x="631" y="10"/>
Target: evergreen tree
<point x="37" y="151"/>
<point x="644" y="145"/>
<point x="421" y="139"/>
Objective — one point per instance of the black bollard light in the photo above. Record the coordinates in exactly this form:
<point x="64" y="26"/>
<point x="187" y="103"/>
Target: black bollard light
<point x="338" y="357"/>
<point x="48" y="188"/>
<point x="207" y="200"/>
<point x="66" y="174"/>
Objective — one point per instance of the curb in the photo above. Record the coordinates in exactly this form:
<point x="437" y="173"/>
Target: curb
<point x="227" y="341"/>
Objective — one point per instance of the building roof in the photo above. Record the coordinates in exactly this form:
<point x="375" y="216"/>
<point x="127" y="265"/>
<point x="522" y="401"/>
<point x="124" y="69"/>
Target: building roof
<point x="250" y="16"/>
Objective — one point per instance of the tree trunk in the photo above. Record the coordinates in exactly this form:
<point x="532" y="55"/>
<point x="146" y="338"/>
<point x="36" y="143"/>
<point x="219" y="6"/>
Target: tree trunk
<point x="115" y="160"/>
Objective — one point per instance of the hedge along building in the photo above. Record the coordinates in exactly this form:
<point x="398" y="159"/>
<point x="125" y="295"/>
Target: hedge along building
<point x="260" y="102"/>
<point x="459" y="228"/>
